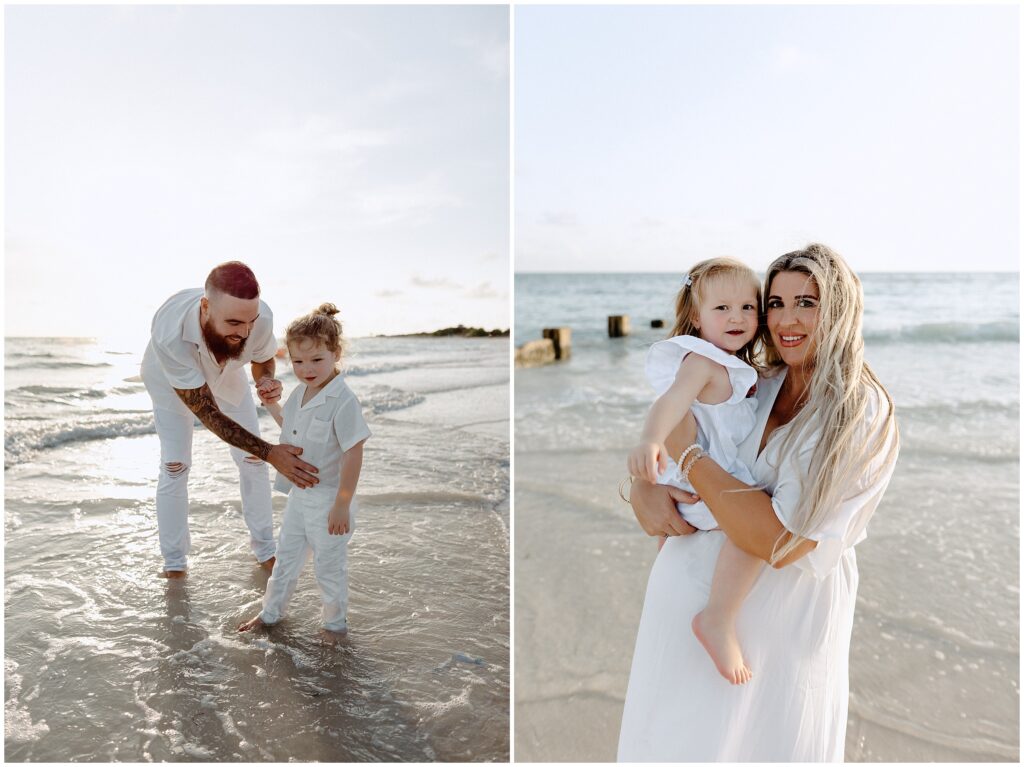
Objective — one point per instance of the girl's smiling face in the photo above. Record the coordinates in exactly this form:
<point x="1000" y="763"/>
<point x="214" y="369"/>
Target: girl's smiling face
<point x="792" y="316"/>
<point x="313" y="363"/>
<point x="728" y="313"/>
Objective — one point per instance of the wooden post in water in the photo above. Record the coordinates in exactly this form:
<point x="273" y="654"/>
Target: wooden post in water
<point x="562" y="339"/>
<point x="657" y="323"/>
<point x="618" y="325"/>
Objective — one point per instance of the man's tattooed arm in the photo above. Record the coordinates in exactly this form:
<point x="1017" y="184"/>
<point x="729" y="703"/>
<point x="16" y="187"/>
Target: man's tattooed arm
<point x="201" y="402"/>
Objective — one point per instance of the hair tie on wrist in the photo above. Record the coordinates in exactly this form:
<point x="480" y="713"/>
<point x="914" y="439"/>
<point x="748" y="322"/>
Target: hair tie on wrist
<point x="628" y="479"/>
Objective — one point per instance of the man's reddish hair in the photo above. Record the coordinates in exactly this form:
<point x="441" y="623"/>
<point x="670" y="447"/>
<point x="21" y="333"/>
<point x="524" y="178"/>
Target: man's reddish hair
<point x="234" y="279"/>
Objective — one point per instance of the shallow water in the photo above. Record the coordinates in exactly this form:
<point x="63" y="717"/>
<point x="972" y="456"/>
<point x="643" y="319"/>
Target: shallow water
<point x="105" y="661"/>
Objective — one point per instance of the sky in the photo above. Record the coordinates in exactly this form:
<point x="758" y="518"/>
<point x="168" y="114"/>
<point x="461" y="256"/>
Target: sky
<point x="648" y="138"/>
<point x="358" y="155"/>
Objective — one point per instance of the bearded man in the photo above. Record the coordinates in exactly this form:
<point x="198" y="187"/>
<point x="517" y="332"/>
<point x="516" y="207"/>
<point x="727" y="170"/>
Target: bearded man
<point x="194" y="368"/>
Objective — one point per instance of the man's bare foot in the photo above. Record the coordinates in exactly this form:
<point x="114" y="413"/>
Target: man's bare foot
<point x="719" y="639"/>
<point x="268" y="564"/>
<point x="249" y="625"/>
<point x="172" y="574"/>
<point x="332" y="637"/>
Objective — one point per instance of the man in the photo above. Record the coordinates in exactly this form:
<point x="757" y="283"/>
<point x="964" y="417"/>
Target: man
<point x="193" y="368"/>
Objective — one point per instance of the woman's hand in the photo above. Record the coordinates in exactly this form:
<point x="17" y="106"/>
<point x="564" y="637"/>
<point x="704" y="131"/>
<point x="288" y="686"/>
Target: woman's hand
<point x="655" y="508"/>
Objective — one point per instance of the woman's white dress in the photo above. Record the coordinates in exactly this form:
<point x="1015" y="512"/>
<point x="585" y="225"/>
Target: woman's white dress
<point x="720" y="427"/>
<point x="794" y="628"/>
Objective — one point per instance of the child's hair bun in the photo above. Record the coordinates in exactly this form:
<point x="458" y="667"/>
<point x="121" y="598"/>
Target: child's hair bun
<point x="329" y="309"/>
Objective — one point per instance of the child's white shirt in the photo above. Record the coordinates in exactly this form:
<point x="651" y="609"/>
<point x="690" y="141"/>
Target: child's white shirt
<point x="325" y="427"/>
<point x="720" y="428"/>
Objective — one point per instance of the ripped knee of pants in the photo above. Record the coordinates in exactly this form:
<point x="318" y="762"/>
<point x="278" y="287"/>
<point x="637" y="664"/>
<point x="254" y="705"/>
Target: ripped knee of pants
<point x="252" y="460"/>
<point x="174" y="469"/>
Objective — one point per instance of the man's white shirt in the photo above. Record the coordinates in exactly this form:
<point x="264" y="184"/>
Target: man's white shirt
<point x="177" y="356"/>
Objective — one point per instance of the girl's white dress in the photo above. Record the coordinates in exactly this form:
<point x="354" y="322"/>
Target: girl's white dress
<point x="720" y="428"/>
<point x="794" y="627"/>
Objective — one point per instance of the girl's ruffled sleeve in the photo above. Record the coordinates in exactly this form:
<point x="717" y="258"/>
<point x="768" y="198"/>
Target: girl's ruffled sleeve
<point x="847" y="525"/>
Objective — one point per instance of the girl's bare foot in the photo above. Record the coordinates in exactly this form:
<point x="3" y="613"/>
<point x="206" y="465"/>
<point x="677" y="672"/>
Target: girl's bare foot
<point x="173" y="574"/>
<point x="719" y="639"/>
<point x="249" y="625"/>
<point x="332" y="637"/>
<point x="268" y="564"/>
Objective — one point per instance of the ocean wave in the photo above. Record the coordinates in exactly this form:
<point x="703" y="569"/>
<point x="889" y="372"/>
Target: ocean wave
<point x="946" y="332"/>
<point x="372" y="368"/>
<point x="384" y="399"/>
<point x="962" y="410"/>
<point x="20" y="446"/>
<point x="33" y="365"/>
<point x="429" y="496"/>
<point x="46" y="392"/>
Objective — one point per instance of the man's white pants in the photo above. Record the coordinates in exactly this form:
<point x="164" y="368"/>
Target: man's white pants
<point x="304" y="530"/>
<point x="175" y="427"/>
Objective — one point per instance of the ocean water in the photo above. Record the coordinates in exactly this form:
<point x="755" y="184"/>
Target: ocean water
<point x="935" y="655"/>
<point x="103" y="661"/>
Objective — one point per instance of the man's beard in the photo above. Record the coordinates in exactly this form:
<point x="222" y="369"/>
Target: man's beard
<point x="218" y="345"/>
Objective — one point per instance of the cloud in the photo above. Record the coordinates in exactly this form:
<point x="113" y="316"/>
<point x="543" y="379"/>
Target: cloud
<point x="483" y="290"/>
<point x="559" y="218"/>
<point x="318" y="135"/>
<point x="444" y="283"/>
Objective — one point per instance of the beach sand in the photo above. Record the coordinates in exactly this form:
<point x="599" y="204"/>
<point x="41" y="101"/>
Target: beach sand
<point x="581" y="571"/>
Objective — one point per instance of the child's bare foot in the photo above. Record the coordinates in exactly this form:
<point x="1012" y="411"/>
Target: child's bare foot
<point x="249" y="625"/>
<point x="332" y="637"/>
<point x="719" y="639"/>
<point x="268" y="564"/>
<point x="173" y="574"/>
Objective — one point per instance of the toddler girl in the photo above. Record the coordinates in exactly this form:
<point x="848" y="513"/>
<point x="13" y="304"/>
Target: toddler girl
<point x="705" y="367"/>
<point x="323" y="417"/>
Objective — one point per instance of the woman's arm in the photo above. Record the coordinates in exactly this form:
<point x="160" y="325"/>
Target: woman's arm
<point x="746" y="517"/>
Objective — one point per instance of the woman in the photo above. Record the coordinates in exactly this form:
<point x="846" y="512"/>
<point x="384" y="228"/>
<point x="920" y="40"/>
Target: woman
<point x="822" y="452"/>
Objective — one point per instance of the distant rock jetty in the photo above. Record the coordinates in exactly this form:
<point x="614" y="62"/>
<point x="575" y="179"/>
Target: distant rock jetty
<point x="460" y="331"/>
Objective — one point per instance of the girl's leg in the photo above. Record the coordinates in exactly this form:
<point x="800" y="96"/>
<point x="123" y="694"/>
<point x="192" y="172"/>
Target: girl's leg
<point x="715" y="626"/>
<point x="330" y="562"/>
<point x="292" y="552"/>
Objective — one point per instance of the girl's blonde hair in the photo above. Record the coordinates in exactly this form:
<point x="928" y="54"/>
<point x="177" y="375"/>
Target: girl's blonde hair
<point x="319" y="326"/>
<point x="840" y="392"/>
<point x="691" y="295"/>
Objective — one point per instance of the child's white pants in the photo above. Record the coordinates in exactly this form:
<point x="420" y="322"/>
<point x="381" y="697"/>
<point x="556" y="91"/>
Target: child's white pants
<point x="304" y="530"/>
<point x="175" y="428"/>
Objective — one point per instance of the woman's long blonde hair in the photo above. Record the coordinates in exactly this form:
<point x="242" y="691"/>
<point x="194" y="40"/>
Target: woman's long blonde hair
<point x="690" y="297"/>
<point x="839" y="393"/>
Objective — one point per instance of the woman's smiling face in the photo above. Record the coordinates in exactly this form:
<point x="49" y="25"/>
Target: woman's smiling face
<point x="792" y="315"/>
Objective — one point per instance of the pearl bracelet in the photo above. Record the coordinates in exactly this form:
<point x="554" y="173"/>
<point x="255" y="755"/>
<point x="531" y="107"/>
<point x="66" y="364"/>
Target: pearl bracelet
<point x="686" y="452"/>
<point x="685" y="471"/>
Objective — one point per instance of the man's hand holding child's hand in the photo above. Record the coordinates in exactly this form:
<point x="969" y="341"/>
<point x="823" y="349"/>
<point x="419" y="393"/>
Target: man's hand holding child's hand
<point x="269" y="390"/>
